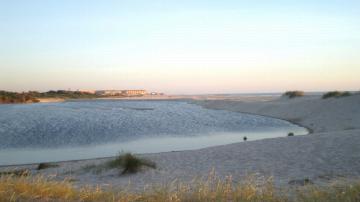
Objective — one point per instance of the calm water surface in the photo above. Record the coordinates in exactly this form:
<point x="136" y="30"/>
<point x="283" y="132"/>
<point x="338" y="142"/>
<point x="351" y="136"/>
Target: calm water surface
<point x="88" y="129"/>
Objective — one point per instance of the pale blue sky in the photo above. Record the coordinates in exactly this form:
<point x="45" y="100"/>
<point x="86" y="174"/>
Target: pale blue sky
<point x="180" y="46"/>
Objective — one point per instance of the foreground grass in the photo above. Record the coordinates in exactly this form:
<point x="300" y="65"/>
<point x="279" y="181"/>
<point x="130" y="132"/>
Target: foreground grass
<point x="38" y="188"/>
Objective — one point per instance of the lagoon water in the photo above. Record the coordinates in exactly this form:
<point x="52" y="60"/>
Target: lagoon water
<point x="72" y="130"/>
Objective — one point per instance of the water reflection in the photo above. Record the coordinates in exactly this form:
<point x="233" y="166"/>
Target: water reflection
<point x="149" y="145"/>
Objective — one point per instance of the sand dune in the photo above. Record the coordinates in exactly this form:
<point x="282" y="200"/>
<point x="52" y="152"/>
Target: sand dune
<point x="320" y="115"/>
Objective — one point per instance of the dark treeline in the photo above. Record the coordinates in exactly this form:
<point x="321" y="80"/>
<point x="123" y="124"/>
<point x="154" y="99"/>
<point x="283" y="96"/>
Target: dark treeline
<point x="33" y="96"/>
<point x="12" y="97"/>
<point x="62" y="94"/>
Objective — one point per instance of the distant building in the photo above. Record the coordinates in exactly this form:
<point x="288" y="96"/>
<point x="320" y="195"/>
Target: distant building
<point x="156" y="93"/>
<point x="108" y="92"/>
<point x="87" y="91"/>
<point x="133" y="92"/>
<point x="121" y="92"/>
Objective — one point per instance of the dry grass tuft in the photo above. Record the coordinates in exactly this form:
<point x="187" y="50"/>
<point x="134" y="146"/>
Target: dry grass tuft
<point x="130" y="163"/>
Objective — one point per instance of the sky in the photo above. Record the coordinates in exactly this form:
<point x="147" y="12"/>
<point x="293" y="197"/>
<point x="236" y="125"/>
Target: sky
<point x="180" y="46"/>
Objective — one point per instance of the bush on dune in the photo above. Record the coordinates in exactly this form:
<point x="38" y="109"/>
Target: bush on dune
<point x="336" y="94"/>
<point x="129" y="163"/>
<point x="294" y="94"/>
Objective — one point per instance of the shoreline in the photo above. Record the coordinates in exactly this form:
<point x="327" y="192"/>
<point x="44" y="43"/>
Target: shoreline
<point x="142" y="98"/>
<point x="51" y="100"/>
<point x="189" y="98"/>
<point x="309" y="130"/>
<point x="310" y="156"/>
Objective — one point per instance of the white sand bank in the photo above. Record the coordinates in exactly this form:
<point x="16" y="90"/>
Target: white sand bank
<point x="47" y="100"/>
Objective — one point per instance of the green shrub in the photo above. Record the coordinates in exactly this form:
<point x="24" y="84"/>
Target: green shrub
<point x="290" y="134"/>
<point x="293" y="94"/>
<point x="130" y="163"/>
<point x="336" y="94"/>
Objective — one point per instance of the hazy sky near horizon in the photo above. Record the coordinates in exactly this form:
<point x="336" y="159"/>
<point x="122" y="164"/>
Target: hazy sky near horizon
<point x="180" y="46"/>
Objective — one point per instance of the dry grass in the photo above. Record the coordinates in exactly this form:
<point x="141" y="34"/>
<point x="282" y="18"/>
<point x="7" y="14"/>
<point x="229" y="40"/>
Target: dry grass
<point x="38" y="188"/>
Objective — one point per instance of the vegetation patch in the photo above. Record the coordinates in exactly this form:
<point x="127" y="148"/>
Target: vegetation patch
<point x="65" y="94"/>
<point x="336" y="94"/>
<point x="129" y="163"/>
<point x="34" y="96"/>
<point x="12" y="98"/>
<point x="291" y="134"/>
<point x="293" y="94"/>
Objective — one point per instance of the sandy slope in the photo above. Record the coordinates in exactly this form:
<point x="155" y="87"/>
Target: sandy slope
<point x="320" y="115"/>
<point x="331" y="151"/>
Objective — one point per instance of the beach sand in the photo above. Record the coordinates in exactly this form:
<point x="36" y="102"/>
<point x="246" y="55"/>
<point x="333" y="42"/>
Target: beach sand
<point x="47" y="100"/>
<point x="330" y="152"/>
